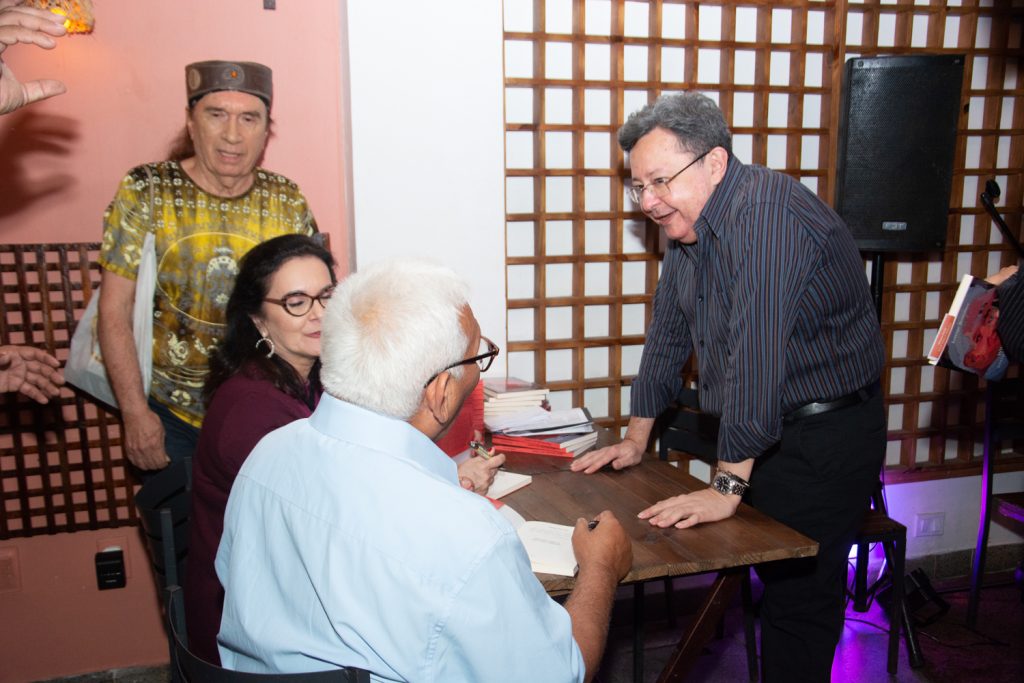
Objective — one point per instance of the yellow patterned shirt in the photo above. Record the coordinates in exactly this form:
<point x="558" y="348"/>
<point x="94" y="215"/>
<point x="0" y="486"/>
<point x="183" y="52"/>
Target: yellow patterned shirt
<point x="199" y="239"/>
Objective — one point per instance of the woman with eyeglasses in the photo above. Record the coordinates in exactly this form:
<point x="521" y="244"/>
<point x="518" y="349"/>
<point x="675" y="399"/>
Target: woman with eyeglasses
<point x="265" y="374"/>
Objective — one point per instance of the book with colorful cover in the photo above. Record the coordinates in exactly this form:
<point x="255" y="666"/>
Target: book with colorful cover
<point x="967" y="339"/>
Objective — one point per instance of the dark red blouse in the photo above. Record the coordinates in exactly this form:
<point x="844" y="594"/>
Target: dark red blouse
<point x="242" y="412"/>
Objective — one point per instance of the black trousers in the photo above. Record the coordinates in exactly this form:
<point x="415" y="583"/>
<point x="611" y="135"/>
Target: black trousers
<point x="818" y="480"/>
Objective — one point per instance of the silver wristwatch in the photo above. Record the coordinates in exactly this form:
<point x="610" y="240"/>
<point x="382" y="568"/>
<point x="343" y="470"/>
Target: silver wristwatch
<point x="729" y="484"/>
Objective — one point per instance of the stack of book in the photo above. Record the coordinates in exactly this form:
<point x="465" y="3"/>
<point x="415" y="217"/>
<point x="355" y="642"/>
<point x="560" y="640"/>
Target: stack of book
<point x="563" y="433"/>
<point x="561" y="445"/>
<point x="510" y="396"/>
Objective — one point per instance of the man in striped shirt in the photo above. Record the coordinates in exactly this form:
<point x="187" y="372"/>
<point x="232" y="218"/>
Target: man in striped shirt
<point x="1010" y="326"/>
<point x="764" y="283"/>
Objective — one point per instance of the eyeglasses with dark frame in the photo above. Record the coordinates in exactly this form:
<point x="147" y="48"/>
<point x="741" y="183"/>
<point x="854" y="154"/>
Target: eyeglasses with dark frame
<point x="299" y="304"/>
<point x="659" y="186"/>
<point x="484" y="360"/>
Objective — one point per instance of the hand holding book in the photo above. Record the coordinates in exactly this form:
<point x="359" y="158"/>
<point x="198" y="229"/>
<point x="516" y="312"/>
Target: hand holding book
<point x="967" y="339"/>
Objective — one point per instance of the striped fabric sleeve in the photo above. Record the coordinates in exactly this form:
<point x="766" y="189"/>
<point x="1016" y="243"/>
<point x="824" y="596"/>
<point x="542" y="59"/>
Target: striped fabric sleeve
<point x="667" y="345"/>
<point x="1010" y="325"/>
<point x="771" y="278"/>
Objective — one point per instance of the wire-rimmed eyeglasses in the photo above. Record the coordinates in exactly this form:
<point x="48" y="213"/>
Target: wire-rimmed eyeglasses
<point x="482" y="360"/>
<point x="659" y="186"/>
<point x="299" y="304"/>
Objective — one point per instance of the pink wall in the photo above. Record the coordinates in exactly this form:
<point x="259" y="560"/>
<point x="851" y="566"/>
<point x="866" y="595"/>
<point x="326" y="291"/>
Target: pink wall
<point x="60" y="624"/>
<point x="60" y="163"/>
<point x="126" y="101"/>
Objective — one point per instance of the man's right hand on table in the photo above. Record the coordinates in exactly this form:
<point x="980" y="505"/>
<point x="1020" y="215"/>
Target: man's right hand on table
<point x="621" y="455"/>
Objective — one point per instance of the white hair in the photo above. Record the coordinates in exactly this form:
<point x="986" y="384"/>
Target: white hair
<point x="387" y="329"/>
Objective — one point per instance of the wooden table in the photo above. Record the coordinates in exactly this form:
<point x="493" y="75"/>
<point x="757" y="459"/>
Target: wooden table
<point x="748" y="538"/>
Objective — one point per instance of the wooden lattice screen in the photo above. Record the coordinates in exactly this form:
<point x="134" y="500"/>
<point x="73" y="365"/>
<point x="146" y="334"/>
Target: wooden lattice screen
<point x="61" y="467"/>
<point x="582" y="262"/>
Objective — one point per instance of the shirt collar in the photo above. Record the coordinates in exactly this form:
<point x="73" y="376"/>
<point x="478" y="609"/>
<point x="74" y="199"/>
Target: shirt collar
<point x="714" y="213"/>
<point x="372" y="431"/>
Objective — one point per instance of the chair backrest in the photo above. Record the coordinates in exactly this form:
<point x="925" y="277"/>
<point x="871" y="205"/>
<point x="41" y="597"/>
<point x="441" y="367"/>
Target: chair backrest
<point x="163" y="504"/>
<point x="191" y="668"/>
<point x="690" y="431"/>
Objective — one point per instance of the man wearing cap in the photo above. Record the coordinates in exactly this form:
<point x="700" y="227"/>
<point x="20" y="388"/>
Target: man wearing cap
<point x="206" y="211"/>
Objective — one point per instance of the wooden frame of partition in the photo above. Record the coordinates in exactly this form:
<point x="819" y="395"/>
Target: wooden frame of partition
<point x="582" y="262"/>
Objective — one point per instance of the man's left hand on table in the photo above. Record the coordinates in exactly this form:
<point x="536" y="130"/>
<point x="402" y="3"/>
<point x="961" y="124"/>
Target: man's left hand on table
<point x="690" y="509"/>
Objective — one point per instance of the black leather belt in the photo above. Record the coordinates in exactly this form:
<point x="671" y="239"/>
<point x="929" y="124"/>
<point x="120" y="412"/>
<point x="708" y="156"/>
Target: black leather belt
<point x="850" y="399"/>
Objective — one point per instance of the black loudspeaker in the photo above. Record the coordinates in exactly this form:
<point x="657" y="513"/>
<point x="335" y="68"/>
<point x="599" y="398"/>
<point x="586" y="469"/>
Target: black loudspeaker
<point x="897" y="139"/>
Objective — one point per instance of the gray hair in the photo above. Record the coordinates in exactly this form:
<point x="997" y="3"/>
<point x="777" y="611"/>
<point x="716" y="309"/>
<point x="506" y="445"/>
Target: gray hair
<point x="387" y="329"/>
<point x="695" y="119"/>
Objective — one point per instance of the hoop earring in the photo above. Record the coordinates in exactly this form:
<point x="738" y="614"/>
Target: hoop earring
<point x="270" y="344"/>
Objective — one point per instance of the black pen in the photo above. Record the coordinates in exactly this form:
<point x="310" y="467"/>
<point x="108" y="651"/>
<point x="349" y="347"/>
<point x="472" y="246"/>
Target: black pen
<point x="592" y="524"/>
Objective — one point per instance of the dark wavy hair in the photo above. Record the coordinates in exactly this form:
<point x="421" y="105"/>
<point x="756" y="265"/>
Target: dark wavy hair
<point x="238" y="352"/>
<point x="695" y="119"/>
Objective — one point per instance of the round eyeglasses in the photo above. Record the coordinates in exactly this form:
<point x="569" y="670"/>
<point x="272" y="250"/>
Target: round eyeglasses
<point x="482" y="360"/>
<point x="299" y="304"/>
<point x="659" y="186"/>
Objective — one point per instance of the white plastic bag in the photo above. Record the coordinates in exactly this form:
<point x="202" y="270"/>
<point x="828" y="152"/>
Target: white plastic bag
<point x="85" y="367"/>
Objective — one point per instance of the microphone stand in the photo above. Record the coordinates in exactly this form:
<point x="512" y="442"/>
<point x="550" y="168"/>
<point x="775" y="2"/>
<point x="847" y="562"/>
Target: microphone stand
<point x="991" y="193"/>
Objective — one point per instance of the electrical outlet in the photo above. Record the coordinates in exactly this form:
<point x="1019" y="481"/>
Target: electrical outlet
<point x="929" y="523"/>
<point x="10" y="570"/>
<point x="109" y="542"/>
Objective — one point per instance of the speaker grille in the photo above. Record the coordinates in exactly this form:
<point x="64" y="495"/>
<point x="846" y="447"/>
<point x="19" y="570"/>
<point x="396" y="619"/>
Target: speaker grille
<point x="896" y="147"/>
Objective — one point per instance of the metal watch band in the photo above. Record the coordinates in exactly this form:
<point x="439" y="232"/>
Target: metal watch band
<point x="729" y="484"/>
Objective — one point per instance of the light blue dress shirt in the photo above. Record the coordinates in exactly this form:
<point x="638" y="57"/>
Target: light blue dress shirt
<point x="349" y="542"/>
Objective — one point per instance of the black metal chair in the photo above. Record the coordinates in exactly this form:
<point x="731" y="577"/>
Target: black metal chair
<point x="192" y="669"/>
<point x="164" y="505"/>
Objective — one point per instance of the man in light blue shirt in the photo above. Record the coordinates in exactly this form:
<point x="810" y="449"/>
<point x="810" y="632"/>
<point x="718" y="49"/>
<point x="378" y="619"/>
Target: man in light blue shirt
<point x="348" y="540"/>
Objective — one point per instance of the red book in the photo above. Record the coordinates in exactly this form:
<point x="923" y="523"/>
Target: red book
<point x="461" y="430"/>
<point x="561" y="445"/>
<point x="532" y="451"/>
<point x="526" y="445"/>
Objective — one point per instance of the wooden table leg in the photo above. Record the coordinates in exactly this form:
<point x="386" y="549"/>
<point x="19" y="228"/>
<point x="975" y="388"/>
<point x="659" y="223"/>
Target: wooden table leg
<point x="710" y="613"/>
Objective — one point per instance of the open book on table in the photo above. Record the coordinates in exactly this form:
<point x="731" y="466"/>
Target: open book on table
<point x="548" y="545"/>
<point x="967" y="339"/>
